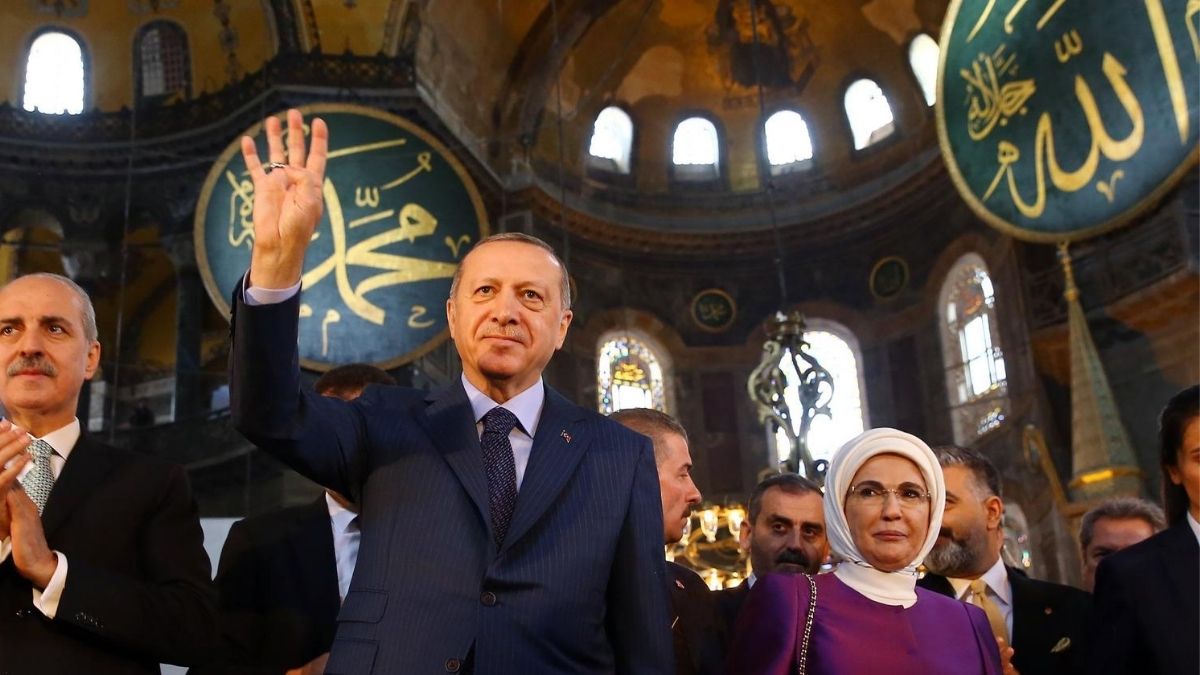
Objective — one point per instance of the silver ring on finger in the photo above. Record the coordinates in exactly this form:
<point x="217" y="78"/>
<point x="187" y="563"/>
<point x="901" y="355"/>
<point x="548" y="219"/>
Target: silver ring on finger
<point x="274" y="165"/>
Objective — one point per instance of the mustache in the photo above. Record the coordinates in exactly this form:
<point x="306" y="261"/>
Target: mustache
<point x="509" y="331"/>
<point x="38" y="364"/>
<point x="790" y="557"/>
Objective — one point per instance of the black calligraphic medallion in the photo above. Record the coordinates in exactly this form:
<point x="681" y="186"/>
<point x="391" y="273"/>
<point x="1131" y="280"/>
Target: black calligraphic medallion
<point x="1062" y="119"/>
<point x="400" y="212"/>
<point x="889" y="277"/>
<point x="713" y="310"/>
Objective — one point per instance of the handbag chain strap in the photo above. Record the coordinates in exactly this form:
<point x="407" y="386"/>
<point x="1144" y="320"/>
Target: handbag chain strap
<point x="802" y="662"/>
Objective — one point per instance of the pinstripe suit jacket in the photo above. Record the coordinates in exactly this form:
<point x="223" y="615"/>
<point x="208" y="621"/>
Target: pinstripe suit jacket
<point x="579" y="584"/>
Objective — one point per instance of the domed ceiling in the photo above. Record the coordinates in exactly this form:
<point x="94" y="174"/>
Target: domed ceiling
<point x="519" y="85"/>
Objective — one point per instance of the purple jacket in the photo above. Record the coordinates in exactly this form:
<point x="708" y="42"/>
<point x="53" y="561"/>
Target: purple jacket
<point x="853" y="634"/>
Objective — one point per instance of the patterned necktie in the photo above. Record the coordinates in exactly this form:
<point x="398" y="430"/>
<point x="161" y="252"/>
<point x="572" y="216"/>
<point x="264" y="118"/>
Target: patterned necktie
<point x="995" y="617"/>
<point x="501" y="468"/>
<point x="40" y="479"/>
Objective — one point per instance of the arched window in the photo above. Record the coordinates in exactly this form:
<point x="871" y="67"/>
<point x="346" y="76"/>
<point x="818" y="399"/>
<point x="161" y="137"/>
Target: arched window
<point x="163" y="65"/>
<point x="836" y="349"/>
<point x="54" y="75"/>
<point x="612" y="141"/>
<point x="869" y="113"/>
<point x="923" y="55"/>
<point x="975" y="372"/>
<point x="787" y="140"/>
<point x="629" y="374"/>
<point x="695" y="150"/>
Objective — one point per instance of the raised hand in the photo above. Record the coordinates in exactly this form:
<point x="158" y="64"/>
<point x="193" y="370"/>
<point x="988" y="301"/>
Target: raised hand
<point x="287" y="200"/>
<point x="30" y="552"/>
<point x="13" y="458"/>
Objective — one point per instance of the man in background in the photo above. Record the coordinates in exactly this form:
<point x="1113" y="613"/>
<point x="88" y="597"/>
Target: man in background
<point x="1112" y="525"/>
<point x="283" y="575"/>
<point x="693" y="623"/>
<point x="1043" y="622"/>
<point x="784" y="532"/>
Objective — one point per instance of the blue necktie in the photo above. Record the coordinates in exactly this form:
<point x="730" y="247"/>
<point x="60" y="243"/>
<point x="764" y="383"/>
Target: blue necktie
<point x="501" y="468"/>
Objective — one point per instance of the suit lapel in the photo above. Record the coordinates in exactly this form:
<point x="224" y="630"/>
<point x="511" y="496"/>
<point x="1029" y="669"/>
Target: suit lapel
<point x="557" y="448"/>
<point x="450" y="423"/>
<point x="86" y="467"/>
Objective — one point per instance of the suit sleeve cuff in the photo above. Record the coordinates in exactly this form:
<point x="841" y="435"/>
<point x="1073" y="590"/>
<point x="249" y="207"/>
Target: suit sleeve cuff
<point x="255" y="295"/>
<point x="46" y="600"/>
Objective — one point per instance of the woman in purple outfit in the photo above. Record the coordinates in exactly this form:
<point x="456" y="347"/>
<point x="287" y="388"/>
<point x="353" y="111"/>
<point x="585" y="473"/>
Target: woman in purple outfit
<point x="884" y="497"/>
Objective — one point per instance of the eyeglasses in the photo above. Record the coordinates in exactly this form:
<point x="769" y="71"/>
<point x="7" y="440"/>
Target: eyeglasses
<point x="873" y="494"/>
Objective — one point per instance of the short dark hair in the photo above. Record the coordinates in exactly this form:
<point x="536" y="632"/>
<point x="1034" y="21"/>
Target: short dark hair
<point x="1181" y="409"/>
<point x="981" y="468"/>
<point x="565" y="287"/>
<point x="791" y="483"/>
<point x="1120" y="508"/>
<point x="349" y="378"/>
<point x="653" y="423"/>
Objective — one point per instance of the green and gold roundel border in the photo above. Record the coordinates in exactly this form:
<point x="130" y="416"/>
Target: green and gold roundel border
<point x="733" y="309"/>
<point x="875" y="270"/>
<point x="1005" y="226"/>
<point x="214" y="174"/>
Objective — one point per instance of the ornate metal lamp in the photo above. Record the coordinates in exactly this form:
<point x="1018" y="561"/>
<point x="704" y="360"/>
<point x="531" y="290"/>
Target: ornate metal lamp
<point x="768" y="384"/>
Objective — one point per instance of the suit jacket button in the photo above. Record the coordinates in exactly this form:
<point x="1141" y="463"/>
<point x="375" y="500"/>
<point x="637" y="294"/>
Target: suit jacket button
<point x="488" y="599"/>
<point x="453" y="665"/>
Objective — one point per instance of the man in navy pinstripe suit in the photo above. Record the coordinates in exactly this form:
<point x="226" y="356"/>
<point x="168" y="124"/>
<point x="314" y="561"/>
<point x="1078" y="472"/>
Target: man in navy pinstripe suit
<point x="546" y="557"/>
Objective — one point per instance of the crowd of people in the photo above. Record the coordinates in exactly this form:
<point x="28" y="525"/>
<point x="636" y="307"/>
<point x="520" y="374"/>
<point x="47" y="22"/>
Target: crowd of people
<point x="492" y="526"/>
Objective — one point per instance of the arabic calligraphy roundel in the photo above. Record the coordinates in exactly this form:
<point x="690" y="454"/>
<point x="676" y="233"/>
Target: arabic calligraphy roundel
<point x="1062" y="119"/>
<point x="400" y="212"/>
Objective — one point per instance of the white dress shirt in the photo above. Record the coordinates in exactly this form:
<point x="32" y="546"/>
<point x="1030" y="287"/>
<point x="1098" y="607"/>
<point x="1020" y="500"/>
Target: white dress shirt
<point x="999" y="589"/>
<point x="1191" y="523"/>
<point x="63" y="441"/>
<point x="346" y="536"/>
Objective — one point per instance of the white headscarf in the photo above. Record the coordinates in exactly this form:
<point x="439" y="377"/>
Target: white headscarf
<point x="889" y="588"/>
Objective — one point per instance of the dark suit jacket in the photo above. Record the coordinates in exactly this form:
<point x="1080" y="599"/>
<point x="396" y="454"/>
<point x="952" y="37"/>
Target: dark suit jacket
<point x="695" y="627"/>
<point x="138" y="589"/>
<point x="279" y="591"/>
<point x="1147" y="617"/>
<point x="729" y="603"/>
<point x="579" y="584"/>
<point x="1049" y="623"/>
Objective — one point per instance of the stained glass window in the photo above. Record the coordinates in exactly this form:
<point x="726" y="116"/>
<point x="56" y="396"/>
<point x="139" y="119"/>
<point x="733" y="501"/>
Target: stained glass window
<point x="612" y="140"/>
<point x="629" y="375"/>
<point x="787" y="140"/>
<point x="869" y="113"/>
<point x="838" y="356"/>
<point x="975" y="370"/>
<point x="923" y="55"/>
<point x="54" y="75"/>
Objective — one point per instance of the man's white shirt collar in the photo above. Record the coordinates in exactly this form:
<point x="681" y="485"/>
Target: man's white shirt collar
<point x="63" y="439"/>
<point x="527" y="405"/>
<point x="1194" y="525"/>
<point x="339" y="515"/>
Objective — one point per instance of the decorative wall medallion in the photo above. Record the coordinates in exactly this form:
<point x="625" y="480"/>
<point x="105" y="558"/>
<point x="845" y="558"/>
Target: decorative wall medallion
<point x="1062" y="120"/>
<point x="889" y="277"/>
<point x="713" y="310"/>
<point x="400" y="212"/>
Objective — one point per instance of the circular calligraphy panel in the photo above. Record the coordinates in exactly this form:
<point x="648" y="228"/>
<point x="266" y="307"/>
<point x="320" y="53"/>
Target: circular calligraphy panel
<point x="400" y="212"/>
<point x="1062" y="119"/>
